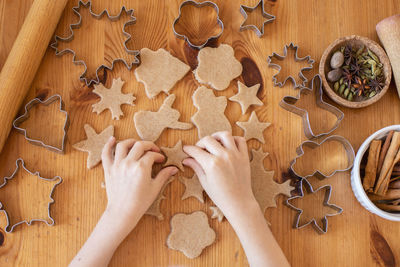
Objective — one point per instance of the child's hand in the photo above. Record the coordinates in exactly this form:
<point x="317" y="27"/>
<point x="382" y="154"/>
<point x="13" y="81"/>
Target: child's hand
<point x="221" y="162"/>
<point x="129" y="185"/>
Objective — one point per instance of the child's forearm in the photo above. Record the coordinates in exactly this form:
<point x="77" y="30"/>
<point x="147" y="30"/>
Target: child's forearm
<point x="257" y="240"/>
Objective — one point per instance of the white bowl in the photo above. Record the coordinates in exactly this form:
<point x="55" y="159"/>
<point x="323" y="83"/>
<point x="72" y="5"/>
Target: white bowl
<point x="356" y="184"/>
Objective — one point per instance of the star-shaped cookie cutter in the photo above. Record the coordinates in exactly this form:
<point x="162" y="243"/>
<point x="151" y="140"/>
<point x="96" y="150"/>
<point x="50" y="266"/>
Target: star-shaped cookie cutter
<point x="5" y="179"/>
<point x="288" y="103"/>
<point x="18" y="121"/>
<point x="77" y="25"/>
<point x="313" y="221"/>
<point x="307" y="59"/>
<point x="198" y="5"/>
<point x="245" y="9"/>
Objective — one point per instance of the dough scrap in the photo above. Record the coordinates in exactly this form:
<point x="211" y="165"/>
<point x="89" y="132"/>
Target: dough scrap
<point x="253" y="128"/>
<point x="175" y="155"/>
<point x="210" y="117"/>
<point x="193" y="188"/>
<point x="112" y="98"/>
<point x="217" y="66"/>
<point x="190" y="233"/>
<point x="264" y="187"/>
<point x="159" y="71"/>
<point x="247" y="96"/>
<point x="216" y="213"/>
<point x="94" y="144"/>
<point x="149" y="125"/>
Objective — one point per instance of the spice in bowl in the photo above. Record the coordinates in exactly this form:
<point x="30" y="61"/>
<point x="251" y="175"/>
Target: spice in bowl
<point x="356" y="73"/>
<point x="380" y="169"/>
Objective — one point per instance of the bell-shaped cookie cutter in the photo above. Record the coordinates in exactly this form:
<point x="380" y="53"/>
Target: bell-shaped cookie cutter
<point x="198" y="5"/>
<point x="269" y="18"/>
<point x="278" y="67"/>
<point x="288" y="103"/>
<point x="21" y="162"/>
<point x="77" y="25"/>
<point x="310" y="190"/>
<point x="346" y="145"/>
<point x="18" y="121"/>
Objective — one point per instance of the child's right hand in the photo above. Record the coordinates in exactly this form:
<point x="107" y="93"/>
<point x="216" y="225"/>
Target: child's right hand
<point x="221" y="162"/>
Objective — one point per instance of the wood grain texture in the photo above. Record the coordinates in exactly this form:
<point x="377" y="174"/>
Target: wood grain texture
<point x="355" y="238"/>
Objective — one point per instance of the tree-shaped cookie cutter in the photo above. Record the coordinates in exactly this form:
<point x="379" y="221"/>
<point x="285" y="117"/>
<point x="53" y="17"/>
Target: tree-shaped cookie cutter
<point x="297" y="59"/>
<point x="21" y="162"/>
<point x="288" y="103"/>
<point x="198" y="5"/>
<point x="269" y="18"/>
<point x="326" y="203"/>
<point x="77" y="25"/>
<point x="311" y="144"/>
<point x="18" y="121"/>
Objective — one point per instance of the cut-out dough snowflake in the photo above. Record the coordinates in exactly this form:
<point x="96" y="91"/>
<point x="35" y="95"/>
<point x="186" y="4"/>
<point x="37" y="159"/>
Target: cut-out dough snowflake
<point x="112" y="98"/>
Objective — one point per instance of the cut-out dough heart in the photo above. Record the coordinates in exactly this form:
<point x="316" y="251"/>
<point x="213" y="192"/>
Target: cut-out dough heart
<point x="175" y="155"/>
<point x="217" y="66"/>
<point x="253" y="128"/>
<point x="210" y="117"/>
<point x="247" y="96"/>
<point x="159" y="71"/>
<point x="193" y="188"/>
<point x="149" y="125"/>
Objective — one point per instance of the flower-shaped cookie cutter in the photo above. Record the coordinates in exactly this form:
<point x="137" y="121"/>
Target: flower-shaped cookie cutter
<point x="77" y="25"/>
<point x="245" y="9"/>
<point x="278" y="67"/>
<point x="310" y="190"/>
<point x="198" y="5"/>
<point x="5" y="179"/>
<point x="288" y="103"/>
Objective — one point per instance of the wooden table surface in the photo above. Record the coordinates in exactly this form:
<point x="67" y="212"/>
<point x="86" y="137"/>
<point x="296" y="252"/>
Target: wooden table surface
<point x="355" y="238"/>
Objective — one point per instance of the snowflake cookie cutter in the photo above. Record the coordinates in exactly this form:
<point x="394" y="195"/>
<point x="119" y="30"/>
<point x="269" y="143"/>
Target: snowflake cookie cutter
<point x="311" y="144"/>
<point x="278" y="67"/>
<point x="21" y="162"/>
<point x="288" y="103"/>
<point x="36" y="101"/>
<point x="313" y="221"/>
<point x="198" y="5"/>
<point x="77" y="25"/>
<point x="245" y="9"/>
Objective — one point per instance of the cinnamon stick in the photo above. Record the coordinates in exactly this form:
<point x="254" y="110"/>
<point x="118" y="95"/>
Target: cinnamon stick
<point x="372" y="165"/>
<point x="384" y="150"/>
<point x="391" y="158"/>
<point x="388" y="207"/>
<point x="390" y="194"/>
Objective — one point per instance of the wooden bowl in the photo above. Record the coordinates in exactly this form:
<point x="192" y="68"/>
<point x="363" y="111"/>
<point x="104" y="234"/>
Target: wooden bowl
<point x="324" y="68"/>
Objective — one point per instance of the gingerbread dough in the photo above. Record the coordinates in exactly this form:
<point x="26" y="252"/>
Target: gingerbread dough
<point x="190" y="233"/>
<point x="264" y="187"/>
<point x="149" y="125"/>
<point x="175" y="155"/>
<point x="112" y="98"/>
<point x="217" y="66"/>
<point x="253" y="128"/>
<point x="210" y="117"/>
<point x="247" y="96"/>
<point x="216" y="213"/>
<point x="159" y="71"/>
<point x="154" y="209"/>
<point x="193" y="188"/>
<point x="94" y="144"/>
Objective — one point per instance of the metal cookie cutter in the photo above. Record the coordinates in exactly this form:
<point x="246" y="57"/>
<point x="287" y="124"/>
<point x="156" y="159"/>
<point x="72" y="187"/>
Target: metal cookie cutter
<point x="288" y="103"/>
<point x="245" y="9"/>
<point x="346" y="145"/>
<point x="56" y="178"/>
<point x="309" y="189"/>
<point x="297" y="59"/>
<point x="77" y="25"/>
<point x="198" y="5"/>
<point x="18" y="121"/>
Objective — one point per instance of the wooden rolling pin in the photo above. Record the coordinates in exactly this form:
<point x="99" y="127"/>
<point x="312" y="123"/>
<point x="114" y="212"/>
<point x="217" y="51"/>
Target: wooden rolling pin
<point x="24" y="59"/>
<point x="389" y="33"/>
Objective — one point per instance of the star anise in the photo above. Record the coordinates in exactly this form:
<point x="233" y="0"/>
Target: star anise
<point x="361" y="86"/>
<point x="356" y="68"/>
<point x="377" y="84"/>
<point x="348" y="54"/>
<point x="347" y="77"/>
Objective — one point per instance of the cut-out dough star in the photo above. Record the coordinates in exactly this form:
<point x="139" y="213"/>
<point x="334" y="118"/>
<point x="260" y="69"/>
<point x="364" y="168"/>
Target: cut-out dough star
<point x="159" y="71"/>
<point x="175" y="155"/>
<point x="216" y="213"/>
<point x="112" y="98"/>
<point x="247" y="96"/>
<point x="193" y="188"/>
<point x="94" y="144"/>
<point x="253" y="128"/>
